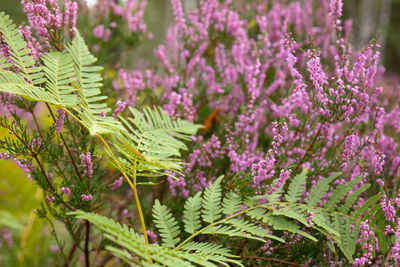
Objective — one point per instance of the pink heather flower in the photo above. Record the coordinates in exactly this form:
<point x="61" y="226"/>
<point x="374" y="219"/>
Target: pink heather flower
<point x="263" y="170"/>
<point x="352" y="142"/>
<point x="388" y="209"/>
<point x="121" y="106"/>
<point x="310" y="216"/>
<point x="70" y="14"/>
<point x="335" y="13"/>
<point x="50" y="199"/>
<point x="86" y="162"/>
<point x="395" y="256"/>
<point x="43" y="15"/>
<point x="7" y="236"/>
<point x="25" y="166"/>
<point x="153" y="237"/>
<point x="66" y="190"/>
<point x="86" y="197"/>
<point x="98" y="31"/>
<point x="59" y="124"/>
<point x="117" y="183"/>
<point x="178" y="13"/>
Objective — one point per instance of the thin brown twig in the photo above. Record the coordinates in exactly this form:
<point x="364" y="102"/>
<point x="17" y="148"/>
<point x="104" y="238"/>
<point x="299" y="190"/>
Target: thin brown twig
<point x="65" y="145"/>
<point x="87" y="259"/>
<point x="308" y="149"/>
<point x="70" y="254"/>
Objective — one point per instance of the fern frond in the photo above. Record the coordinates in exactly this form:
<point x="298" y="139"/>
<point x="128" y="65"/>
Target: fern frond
<point x="211" y="202"/>
<point x="351" y="199"/>
<point x="19" y="54"/>
<point x="166" y="224"/>
<point x="89" y="81"/>
<point x="296" y="212"/>
<point x="60" y="74"/>
<point x="340" y="193"/>
<point x="150" y="140"/>
<point x="245" y="226"/>
<point x="229" y="231"/>
<point x="279" y="223"/>
<point x="133" y="245"/>
<point x="191" y="214"/>
<point x="296" y="187"/>
<point x="208" y="248"/>
<point x="231" y="203"/>
<point x="320" y="189"/>
<point x="122" y="235"/>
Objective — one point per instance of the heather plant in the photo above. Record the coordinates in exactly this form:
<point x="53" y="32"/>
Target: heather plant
<point x="261" y="137"/>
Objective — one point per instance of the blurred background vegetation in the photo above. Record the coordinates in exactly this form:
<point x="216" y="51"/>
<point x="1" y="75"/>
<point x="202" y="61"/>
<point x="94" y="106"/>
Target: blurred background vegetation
<point x="18" y="197"/>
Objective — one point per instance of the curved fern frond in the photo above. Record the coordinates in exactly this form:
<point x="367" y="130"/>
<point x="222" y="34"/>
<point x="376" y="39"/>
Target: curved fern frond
<point x="231" y="203"/>
<point x="60" y="74"/>
<point x="166" y="224"/>
<point x="296" y="187"/>
<point x="19" y="54"/>
<point x="134" y="251"/>
<point x="88" y="80"/>
<point x="320" y="189"/>
<point x="24" y="80"/>
<point x="211" y="202"/>
<point x="150" y="141"/>
<point x="191" y="214"/>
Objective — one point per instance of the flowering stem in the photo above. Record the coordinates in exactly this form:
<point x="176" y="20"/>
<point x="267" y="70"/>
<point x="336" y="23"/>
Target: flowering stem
<point x="132" y="185"/>
<point x="65" y="144"/>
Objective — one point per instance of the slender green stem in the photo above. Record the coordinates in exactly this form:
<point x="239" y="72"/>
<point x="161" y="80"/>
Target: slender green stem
<point x="132" y="185"/>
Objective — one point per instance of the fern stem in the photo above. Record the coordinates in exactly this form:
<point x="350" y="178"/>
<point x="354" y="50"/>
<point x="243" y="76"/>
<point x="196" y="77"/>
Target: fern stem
<point x="132" y="186"/>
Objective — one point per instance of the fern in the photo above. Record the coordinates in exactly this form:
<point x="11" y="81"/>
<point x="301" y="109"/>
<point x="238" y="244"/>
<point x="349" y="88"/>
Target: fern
<point x="166" y="223"/>
<point x="89" y="81"/>
<point x="211" y="202"/>
<point x="25" y="79"/>
<point x="296" y="188"/>
<point x="150" y="141"/>
<point x="203" y="216"/>
<point x="231" y="203"/>
<point x="191" y="214"/>
<point x="131" y="245"/>
<point x="59" y="71"/>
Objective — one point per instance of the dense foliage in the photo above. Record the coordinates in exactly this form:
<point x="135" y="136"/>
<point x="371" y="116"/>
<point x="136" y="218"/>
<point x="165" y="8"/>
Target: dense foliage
<point x="260" y="137"/>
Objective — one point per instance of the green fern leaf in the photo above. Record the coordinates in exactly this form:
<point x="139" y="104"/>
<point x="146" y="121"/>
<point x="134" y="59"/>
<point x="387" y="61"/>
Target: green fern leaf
<point x="320" y="189"/>
<point x="231" y="203"/>
<point x="59" y="71"/>
<point x="151" y="143"/>
<point x="166" y="224"/>
<point x="244" y="226"/>
<point x="351" y="199"/>
<point x="191" y="214"/>
<point x="19" y="54"/>
<point x="229" y="231"/>
<point x="294" y="212"/>
<point x="208" y="248"/>
<point x="89" y="81"/>
<point x="296" y="187"/>
<point x="340" y="193"/>
<point x="211" y="202"/>
<point x="279" y="223"/>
